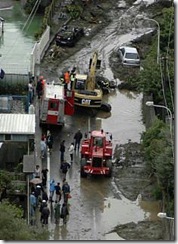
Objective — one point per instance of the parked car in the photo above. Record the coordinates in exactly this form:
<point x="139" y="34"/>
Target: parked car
<point x="68" y="37"/>
<point x="129" y="56"/>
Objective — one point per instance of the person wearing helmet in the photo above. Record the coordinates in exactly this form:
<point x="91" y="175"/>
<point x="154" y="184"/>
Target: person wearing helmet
<point x="43" y="204"/>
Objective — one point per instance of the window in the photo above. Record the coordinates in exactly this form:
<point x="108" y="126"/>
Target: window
<point x="122" y="51"/>
<point x="98" y="141"/>
<point x="131" y="56"/>
<point x="7" y="137"/>
<point x="80" y="85"/>
<point x="53" y="105"/>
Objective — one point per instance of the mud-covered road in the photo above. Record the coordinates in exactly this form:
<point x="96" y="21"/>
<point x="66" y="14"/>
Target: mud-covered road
<point x="99" y="209"/>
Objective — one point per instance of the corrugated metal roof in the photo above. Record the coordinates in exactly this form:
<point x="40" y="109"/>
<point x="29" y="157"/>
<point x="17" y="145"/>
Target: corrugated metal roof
<point x="17" y="124"/>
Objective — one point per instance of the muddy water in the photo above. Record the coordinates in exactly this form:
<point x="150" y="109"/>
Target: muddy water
<point x="97" y="205"/>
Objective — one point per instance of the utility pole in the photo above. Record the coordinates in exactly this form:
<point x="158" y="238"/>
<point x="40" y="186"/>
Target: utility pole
<point x="165" y="83"/>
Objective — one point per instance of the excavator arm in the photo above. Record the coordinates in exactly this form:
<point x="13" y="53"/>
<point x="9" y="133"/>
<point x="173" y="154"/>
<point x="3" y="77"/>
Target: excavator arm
<point x="90" y="85"/>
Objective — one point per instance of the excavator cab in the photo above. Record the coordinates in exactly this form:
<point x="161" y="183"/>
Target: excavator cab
<point x="80" y="82"/>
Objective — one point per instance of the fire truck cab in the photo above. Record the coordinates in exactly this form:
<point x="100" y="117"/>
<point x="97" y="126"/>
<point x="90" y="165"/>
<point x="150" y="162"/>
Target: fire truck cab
<point x="55" y="103"/>
<point x="96" y="154"/>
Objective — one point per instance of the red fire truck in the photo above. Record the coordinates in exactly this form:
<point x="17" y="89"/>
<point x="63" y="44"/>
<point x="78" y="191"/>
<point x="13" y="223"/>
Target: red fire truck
<point x="56" y="102"/>
<point x="96" y="154"/>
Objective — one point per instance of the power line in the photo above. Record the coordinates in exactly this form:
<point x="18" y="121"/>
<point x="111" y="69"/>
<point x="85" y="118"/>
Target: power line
<point x="162" y="83"/>
<point x="32" y="14"/>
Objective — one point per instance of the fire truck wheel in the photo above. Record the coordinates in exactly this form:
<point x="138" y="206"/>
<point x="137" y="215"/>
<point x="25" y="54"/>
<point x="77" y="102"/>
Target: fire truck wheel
<point x="109" y="165"/>
<point x="83" y="163"/>
<point x="105" y="107"/>
<point x="105" y="90"/>
<point x="82" y="173"/>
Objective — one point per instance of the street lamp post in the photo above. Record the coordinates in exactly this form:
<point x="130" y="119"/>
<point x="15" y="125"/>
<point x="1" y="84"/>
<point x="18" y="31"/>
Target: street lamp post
<point x="171" y="228"/>
<point x="151" y="104"/>
<point x="164" y="216"/>
<point x="158" y="31"/>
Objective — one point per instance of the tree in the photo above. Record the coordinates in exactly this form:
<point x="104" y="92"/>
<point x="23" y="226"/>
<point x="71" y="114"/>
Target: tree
<point x="157" y="146"/>
<point x="13" y="227"/>
<point x="5" y="179"/>
<point x="154" y="78"/>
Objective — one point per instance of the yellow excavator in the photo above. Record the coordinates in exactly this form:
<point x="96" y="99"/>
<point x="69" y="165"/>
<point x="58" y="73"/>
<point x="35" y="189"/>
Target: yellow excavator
<point x="86" y="92"/>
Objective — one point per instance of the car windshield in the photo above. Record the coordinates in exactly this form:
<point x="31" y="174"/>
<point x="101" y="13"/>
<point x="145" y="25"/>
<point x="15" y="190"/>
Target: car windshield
<point x="66" y="34"/>
<point x="131" y="56"/>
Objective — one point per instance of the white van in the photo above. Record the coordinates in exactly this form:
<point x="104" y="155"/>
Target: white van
<point x="129" y="56"/>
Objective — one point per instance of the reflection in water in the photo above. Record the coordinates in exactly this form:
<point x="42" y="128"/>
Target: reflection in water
<point x="57" y="232"/>
<point x="64" y="232"/>
<point x="118" y="212"/>
<point x="126" y="120"/>
<point x="129" y="94"/>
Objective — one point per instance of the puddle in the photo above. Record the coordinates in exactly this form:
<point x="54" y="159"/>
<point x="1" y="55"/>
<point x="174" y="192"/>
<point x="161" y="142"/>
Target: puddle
<point x="123" y="211"/>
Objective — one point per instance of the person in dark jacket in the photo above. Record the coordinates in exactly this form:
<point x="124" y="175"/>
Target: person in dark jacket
<point x="43" y="204"/>
<point x="39" y="87"/>
<point x="62" y="150"/>
<point x="49" y="141"/>
<point x="58" y="192"/>
<point x="44" y="176"/>
<point x="64" y="213"/>
<point x="64" y="168"/>
<point x="66" y="191"/>
<point x="45" y="214"/>
<point x="44" y="196"/>
<point x="77" y="138"/>
<point x="38" y="191"/>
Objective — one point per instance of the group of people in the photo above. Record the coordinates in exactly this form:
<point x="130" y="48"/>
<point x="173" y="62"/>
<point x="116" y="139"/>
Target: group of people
<point x="68" y="78"/>
<point x="57" y="193"/>
<point x="31" y="92"/>
<point x="73" y="146"/>
<point x="64" y="165"/>
<point x="38" y="197"/>
<point x="60" y="192"/>
<point x="39" y="200"/>
<point x="39" y="88"/>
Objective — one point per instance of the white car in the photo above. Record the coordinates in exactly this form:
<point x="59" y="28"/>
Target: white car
<point x="129" y="56"/>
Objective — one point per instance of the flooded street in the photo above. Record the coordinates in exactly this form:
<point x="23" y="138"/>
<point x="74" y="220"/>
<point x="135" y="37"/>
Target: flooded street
<point x="97" y="205"/>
